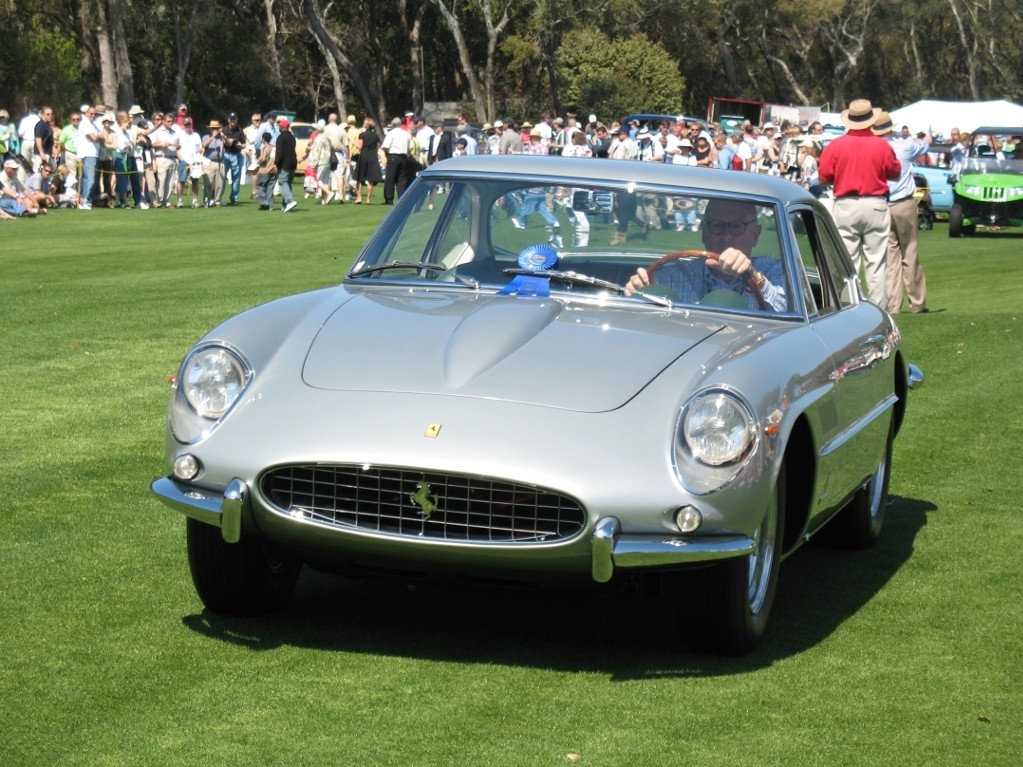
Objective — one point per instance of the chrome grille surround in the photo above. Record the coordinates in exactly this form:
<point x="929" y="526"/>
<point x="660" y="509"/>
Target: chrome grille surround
<point x="411" y="503"/>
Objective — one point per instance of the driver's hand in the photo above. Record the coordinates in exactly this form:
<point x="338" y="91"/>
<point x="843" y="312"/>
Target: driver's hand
<point x="637" y="281"/>
<point x="731" y="262"/>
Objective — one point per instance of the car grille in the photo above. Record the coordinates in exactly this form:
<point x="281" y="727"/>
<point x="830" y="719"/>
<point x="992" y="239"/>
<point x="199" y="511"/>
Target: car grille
<point x="419" y="504"/>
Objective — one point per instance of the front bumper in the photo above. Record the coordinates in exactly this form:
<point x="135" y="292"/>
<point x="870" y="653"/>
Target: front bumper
<point x="610" y="549"/>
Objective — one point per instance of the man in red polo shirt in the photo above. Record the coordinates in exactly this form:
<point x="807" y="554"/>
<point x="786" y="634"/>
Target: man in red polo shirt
<point x="858" y="165"/>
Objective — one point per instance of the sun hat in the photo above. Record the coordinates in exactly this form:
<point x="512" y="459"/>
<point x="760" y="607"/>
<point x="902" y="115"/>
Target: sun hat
<point x="498" y="124"/>
<point x="136" y="110"/>
<point x="214" y="124"/>
<point x="860" y="114"/>
<point x="883" y="126"/>
<point x="685" y="142"/>
<point x="644" y="133"/>
<point x="11" y="164"/>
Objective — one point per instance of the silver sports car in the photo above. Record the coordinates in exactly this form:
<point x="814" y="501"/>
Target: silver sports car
<point x="550" y="370"/>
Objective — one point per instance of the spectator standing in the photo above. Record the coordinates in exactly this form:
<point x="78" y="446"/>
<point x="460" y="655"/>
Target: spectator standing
<point x="367" y="169"/>
<point x="214" y="148"/>
<point x="601" y="143"/>
<point x="462" y="131"/>
<point x="27" y="135"/>
<point x="43" y="137"/>
<point x="126" y="171"/>
<point x="903" y="260"/>
<point x="189" y="161"/>
<point x="286" y="160"/>
<point x="69" y="139"/>
<point x="234" y="158"/>
<point x="858" y="165"/>
<point x="88" y="151"/>
<point x="509" y="141"/>
<point x="624" y="147"/>
<point x="396" y="147"/>
<point x="266" y="176"/>
<point x="648" y="150"/>
<point x="8" y="135"/>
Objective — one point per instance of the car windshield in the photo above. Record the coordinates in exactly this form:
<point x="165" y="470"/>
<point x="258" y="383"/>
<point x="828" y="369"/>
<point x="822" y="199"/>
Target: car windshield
<point x="527" y="237"/>
<point x="992" y="152"/>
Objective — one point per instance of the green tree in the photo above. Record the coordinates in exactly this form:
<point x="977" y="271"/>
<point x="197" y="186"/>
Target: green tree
<point x="614" y="77"/>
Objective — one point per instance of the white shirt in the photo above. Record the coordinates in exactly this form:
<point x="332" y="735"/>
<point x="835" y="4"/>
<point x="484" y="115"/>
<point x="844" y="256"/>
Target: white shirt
<point x="189" y="146"/>
<point x="85" y="147"/>
<point x="397" y="141"/>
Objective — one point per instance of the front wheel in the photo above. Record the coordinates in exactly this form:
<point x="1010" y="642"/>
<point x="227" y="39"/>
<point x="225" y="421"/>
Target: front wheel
<point x="955" y="221"/>
<point x="726" y="606"/>
<point x="245" y="578"/>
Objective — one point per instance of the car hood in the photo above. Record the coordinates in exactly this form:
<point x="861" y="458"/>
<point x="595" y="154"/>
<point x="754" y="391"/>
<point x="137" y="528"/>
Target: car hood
<point x="578" y="355"/>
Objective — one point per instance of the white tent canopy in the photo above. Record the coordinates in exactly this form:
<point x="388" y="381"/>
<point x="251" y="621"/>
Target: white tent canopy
<point x="939" y="117"/>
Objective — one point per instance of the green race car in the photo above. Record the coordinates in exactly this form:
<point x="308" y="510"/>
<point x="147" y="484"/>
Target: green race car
<point x="988" y="178"/>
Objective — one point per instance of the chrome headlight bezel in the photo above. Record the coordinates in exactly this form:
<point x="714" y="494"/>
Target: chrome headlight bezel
<point x="716" y="436"/>
<point x="212" y="379"/>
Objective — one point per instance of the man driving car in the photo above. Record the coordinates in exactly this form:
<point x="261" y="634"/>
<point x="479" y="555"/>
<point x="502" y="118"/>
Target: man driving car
<point x="730" y="232"/>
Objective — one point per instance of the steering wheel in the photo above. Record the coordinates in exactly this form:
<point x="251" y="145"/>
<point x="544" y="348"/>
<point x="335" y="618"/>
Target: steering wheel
<point x="707" y="254"/>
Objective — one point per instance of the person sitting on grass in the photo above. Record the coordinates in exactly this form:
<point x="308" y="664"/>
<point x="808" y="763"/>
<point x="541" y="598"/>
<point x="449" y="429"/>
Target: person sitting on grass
<point x="12" y="189"/>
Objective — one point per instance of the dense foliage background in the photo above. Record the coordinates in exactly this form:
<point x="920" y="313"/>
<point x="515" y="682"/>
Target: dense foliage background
<point x="494" y="58"/>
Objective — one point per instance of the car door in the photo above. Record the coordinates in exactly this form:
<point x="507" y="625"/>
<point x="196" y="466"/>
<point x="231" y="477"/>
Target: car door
<point x="850" y="420"/>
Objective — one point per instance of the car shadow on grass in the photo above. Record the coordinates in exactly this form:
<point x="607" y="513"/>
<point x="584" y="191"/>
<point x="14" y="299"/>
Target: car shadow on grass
<point x="628" y="635"/>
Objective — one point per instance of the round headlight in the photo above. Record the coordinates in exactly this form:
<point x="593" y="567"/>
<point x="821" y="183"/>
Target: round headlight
<point x="717" y="428"/>
<point x="212" y="380"/>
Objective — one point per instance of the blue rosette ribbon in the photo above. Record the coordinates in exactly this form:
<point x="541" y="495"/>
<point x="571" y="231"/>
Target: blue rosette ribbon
<point x="535" y="258"/>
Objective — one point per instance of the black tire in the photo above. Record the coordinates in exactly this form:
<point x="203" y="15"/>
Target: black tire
<point x="725" y="607"/>
<point x="955" y="221"/>
<point x="859" y="524"/>
<point x="244" y="578"/>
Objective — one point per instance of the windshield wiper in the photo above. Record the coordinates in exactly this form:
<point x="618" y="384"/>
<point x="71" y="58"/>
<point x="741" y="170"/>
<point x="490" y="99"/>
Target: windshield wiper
<point x="428" y="266"/>
<point x="575" y="278"/>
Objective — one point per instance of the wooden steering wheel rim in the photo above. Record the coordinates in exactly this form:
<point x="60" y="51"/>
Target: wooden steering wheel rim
<point x="675" y="255"/>
<point x="698" y="254"/>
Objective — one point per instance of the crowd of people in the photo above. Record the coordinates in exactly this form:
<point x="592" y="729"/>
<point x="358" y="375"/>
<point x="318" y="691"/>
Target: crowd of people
<point x="120" y="159"/>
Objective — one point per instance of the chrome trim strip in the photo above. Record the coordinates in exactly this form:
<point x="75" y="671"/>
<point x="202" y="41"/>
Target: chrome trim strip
<point x="847" y="434"/>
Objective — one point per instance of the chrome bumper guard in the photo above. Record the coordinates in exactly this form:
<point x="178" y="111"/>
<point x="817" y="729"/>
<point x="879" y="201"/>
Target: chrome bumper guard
<point x="223" y="510"/>
<point x="610" y="549"/>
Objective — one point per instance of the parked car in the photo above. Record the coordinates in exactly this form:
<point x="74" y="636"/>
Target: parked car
<point x="653" y="120"/>
<point x="989" y="182"/>
<point x="484" y="398"/>
<point x="302" y="132"/>
<point x="936" y="178"/>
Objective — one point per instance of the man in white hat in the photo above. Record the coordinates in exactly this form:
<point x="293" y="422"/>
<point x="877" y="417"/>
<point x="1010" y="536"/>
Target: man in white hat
<point x="858" y="165"/>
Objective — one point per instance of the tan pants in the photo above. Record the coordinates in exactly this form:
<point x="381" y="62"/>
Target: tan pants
<point x="903" y="263"/>
<point x="864" y="223"/>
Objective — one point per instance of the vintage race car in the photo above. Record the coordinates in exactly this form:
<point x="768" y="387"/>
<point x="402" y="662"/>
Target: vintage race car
<point x="550" y="371"/>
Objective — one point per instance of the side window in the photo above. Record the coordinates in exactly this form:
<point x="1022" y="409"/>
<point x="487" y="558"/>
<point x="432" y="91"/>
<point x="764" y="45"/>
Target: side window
<point x="825" y="262"/>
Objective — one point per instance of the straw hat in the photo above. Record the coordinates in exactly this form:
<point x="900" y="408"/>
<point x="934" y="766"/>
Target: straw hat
<point x="859" y="115"/>
<point x="883" y="126"/>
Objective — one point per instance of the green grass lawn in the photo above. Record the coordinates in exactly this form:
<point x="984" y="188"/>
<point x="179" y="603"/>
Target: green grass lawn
<point x="907" y="654"/>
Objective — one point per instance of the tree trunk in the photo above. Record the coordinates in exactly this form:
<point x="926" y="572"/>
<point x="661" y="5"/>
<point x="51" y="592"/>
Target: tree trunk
<point x="312" y="15"/>
<point x="450" y="17"/>
<point x="122" y="62"/>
